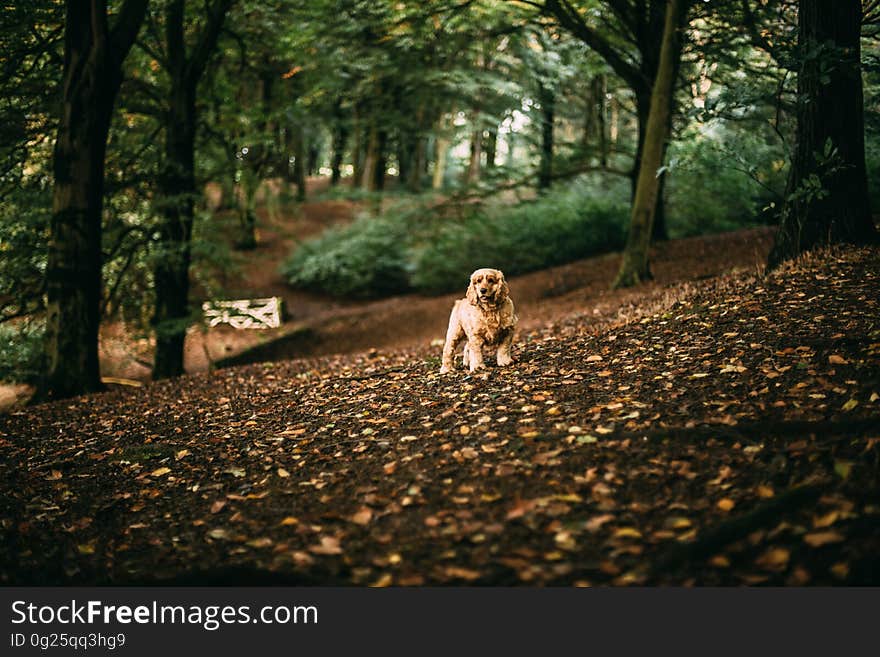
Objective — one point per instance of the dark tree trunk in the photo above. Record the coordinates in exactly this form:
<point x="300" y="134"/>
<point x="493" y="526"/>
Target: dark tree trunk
<point x="361" y="137"/>
<point x="406" y="147"/>
<point x="340" y="138"/>
<point x="299" y="162"/>
<point x="491" y="147"/>
<point x="381" y="160"/>
<point x="171" y="315"/>
<point x="595" y="128"/>
<point x="548" y="116"/>
<point x="93" y="57"/>
<point x="830" y="142"/>
<point x="171" y="273"/>
<point x="417" y="170"/>
<point x="314" y="153"/>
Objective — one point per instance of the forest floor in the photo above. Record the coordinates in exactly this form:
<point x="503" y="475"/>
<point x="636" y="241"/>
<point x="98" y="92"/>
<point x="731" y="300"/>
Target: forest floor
<point x="720" y="431"/>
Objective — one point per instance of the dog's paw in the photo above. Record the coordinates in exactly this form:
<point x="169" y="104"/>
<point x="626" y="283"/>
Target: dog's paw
<point x="504" y="360"/>
<point x="445" y="369"/>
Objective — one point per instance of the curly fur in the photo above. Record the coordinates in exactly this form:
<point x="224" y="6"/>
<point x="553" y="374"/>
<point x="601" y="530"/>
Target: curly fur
<point x="484" y="319"/>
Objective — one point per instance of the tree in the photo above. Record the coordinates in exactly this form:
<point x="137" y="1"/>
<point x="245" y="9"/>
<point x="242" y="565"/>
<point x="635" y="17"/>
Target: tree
<point x="634" y="268"/>
<point x="92" y="72"/>
<point x="827" y="194"/>
<point x="629" y="39"/>
<point x="177" y="180"/>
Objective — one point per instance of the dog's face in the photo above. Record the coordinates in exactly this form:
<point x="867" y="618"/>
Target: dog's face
<point x="487" y="286"/>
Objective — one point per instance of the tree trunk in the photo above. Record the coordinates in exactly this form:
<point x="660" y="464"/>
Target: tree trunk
<point x="314" y="154"/>
<point x="171" y="316"/>
<point x="414" y="181"/>
<point x="491" y="148"/>
<point x="595" y="128"/>
<point x="381" y="160"/>
<point x="441" y="146"/>
<point x="340" y="138"/>
<point x="547" y="98"/>
<point x="472" y="175"/>
<point x="247" y="216"/>
<point x="406" y="147"/>
<point x="299" y="161"/>
<point x="171" y="272"/>
<point x="92" y="73"/>
<point x="659" y="231"/>
<point x="634" y="269"/>
<point x="369" y="167"/>
<point x="830" y="144"/>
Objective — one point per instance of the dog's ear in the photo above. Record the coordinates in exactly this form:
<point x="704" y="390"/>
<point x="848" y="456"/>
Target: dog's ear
<point x="505" y="290"/>
<point x="471" y="294"/>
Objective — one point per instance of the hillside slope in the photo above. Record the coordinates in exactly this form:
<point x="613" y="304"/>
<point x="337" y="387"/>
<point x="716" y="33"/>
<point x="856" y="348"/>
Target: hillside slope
<point x="725" y="432"/>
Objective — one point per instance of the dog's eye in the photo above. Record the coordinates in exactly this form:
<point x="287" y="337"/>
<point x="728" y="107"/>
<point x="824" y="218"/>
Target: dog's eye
<point x="490" y="280"/>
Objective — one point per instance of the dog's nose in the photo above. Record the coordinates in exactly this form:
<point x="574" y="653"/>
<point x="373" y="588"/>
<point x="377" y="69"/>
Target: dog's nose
<point x="483" y="290"/>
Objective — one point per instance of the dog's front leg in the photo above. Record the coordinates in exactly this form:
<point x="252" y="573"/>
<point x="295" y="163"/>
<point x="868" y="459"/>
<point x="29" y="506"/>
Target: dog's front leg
<point x="503" y="354"/>
<point x="454" y="334"/>
<point x="474" y="350"/>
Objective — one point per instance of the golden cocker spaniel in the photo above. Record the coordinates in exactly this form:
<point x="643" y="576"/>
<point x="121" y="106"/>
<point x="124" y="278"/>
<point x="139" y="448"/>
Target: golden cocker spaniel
<point x="485" y="318"/>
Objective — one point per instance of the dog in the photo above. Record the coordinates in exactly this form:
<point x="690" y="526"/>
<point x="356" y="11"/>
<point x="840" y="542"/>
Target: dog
<point x="485" y="318"/>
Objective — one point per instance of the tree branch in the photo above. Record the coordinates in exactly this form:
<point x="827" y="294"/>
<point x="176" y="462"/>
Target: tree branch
<point x="207" y="40"/>
<point x="126" y="28"/>
<point x="568" y="17"/>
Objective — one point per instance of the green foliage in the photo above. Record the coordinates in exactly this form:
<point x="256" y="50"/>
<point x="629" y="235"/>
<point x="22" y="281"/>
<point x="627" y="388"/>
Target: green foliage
<point x="24" y="220"/>
<point x="361" y="260"/>
<point x="561" y="227"/>
<point x="21" y="352"/>
<point x="722" y="177"/>
<point x="430" y="251"/>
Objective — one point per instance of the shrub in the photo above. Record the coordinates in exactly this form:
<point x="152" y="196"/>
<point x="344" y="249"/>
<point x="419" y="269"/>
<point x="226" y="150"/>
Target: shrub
<point x="21" y="352"/>
<point x="722" y="179"/>
<point x="361" y="260"/>
<point x="559" y="228"/>
<point x="429" y="251"/>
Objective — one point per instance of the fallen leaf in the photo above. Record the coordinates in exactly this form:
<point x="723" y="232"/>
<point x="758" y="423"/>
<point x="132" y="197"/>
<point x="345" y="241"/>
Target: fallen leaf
<point x="362" y="516"/>
<point x="386" y="579"/>
<point x="328" y="545"/>
<point x="461" y="573"/>
<point x="158" y="472"/>
<point x="726" y="504"/>
<point x="850" y="405"/>
<point x="627" y="532"/>
<point x="774" y="559"/>
<point x="820" y="522"/>
<point x="595" y="523"/>
<point x="818" y="539"/>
